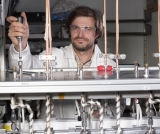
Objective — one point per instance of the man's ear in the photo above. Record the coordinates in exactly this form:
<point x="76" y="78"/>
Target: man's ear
<point x="96" y="36"/>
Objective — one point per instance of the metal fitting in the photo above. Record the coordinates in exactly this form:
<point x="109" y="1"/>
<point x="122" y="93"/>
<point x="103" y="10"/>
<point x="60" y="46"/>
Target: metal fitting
<point x="146" y="71"/>
<point x="150" y="113"/>
<point x="14" y="73"/>
<point x="136" y="66"/>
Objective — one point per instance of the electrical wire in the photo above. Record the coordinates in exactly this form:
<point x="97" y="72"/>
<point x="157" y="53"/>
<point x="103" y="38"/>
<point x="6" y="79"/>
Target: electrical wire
<point x="38" y="108"/>
<point x="77" y="106"/>
<point x="138" y="112"/>
<point x="155" y="110"/>
<point x="48" y="116"/>
<point x="14" y="4"/>
<point x="14" y="106"/>
<point x="98" y="104"/>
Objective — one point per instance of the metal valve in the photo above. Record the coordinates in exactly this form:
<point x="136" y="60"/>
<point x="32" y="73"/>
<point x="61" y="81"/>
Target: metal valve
<point x="20" y="19"/>
<point x="120" y="56"/>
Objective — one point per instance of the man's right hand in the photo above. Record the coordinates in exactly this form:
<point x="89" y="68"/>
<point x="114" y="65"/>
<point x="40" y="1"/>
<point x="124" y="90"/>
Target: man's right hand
<point x="18" y="29"/>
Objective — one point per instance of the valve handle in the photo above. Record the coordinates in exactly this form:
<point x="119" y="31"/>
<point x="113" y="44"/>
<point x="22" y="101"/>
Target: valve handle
<point x="101" y="68"/>
<point x="19" y="19"/>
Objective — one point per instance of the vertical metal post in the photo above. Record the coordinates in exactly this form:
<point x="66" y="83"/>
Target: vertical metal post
<point x="2" y="37"/>
<point x="145" y="50"/>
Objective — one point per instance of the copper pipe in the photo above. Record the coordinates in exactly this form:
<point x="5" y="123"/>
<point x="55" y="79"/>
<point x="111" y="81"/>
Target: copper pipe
<point x="48" y="36"/>
<point x="117" y="32"/>
<point x="105" y="33"/>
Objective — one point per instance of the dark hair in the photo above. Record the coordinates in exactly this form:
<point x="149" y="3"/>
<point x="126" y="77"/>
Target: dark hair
<point x="87" y="12"/>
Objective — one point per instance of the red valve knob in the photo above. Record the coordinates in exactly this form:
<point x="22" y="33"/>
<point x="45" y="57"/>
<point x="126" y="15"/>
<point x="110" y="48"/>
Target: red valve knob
<point x="101" y="68"/>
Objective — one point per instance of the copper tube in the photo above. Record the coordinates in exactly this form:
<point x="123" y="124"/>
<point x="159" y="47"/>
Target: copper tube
<point x="105" y="33"/>
<point x="117" y="32"/>
<point x="48" y="36"/>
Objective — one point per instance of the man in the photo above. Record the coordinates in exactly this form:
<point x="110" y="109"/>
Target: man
<point x="84" y="26"/>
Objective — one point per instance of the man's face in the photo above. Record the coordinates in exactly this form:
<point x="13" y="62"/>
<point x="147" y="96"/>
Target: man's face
<point x="83" y="33"/>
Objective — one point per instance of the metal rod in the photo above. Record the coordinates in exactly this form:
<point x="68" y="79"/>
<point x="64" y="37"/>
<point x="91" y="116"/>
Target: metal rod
<point x="159" y="28"/>
<point x="117" y="32"/>
<point x="20" y="19"/>
<point x="105" y="28"/>
<point x="48" y="36"/>
<point x="87" y="69"/>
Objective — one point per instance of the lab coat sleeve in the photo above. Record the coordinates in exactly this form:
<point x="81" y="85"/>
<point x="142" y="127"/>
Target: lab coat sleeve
<point x="32" y="61"/>
<point x="111" y="62"/>
<point x="14" y="57"/>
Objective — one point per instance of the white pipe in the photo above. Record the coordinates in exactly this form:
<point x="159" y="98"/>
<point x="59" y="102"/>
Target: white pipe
<point x="121" y="68"/>
<point x="140" y="113"/>
<point x="77" y="106"/>
<point x="137" y="112"/>
<point x="23" y="117"/>
<point x="155" y="110"/>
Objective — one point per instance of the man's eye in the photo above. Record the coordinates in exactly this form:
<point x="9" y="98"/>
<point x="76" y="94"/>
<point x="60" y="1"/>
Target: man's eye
<point x="75" y="27"/>
<point x="88" y="29"/>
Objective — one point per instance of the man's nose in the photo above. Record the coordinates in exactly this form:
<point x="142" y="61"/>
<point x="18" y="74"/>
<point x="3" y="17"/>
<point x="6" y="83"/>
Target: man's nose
<point x="80" y="33"/>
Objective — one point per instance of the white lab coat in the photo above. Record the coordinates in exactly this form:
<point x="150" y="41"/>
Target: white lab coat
<point x="64" y="59"/>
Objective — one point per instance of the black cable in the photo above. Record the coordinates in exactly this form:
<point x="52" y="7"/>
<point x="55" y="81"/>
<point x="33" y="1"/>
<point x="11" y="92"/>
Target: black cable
<point x="14" y="4"/>
<point x="9" y="8"/>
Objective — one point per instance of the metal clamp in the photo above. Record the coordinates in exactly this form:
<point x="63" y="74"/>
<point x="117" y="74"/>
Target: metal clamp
<point x="119" y="56"/>
<point x="47" y="57"/>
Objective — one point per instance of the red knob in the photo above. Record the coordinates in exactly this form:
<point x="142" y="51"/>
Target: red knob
<point x="101" y="68"/>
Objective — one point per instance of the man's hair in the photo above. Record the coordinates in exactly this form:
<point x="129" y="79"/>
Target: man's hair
<point x="85" y="11"/>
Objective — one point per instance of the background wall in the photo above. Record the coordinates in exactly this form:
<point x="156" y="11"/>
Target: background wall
<point x="129" y="9"/>
<point x="152" y="40"/>
<point x="132" y="46"/>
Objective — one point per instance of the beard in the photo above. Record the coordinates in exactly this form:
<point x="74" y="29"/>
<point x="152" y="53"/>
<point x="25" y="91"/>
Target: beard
<point x="79" y="46"/>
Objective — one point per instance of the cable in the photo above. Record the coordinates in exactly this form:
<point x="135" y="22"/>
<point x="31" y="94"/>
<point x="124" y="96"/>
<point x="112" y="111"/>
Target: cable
<point x="52" y="108"/>
<point x="13" y="115"/>
<point x="147" y="106"/>
<point x="38" y="108"/>
<point x="90" y="117"/>
<point x="77" y="106"/>
<point x="48" y="114"/>
<point x="151" y="101"/>
<point x="138" y="112"/>
<point x="14" y="106"/>
<point x="97" y="103"/>
<point x="105" y="107"/>
<point x="151" y="114"/>
<point x="83" y="113"/>
<point x="14" y="4"/>
<point x="155" y="110"/>
<point x="89" y="103"/>
<point x="23" y="117"/>
<point x="100" y="117"/>
<point x="118" y="114"/>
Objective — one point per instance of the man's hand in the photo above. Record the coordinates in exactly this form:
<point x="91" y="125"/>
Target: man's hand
<point x="18" y="29"/>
